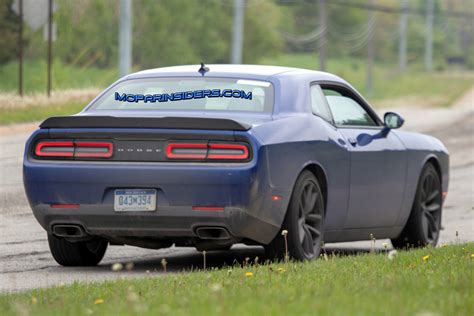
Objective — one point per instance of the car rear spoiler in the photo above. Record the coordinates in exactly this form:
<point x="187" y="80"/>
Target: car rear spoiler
<point x="144" y="122"/>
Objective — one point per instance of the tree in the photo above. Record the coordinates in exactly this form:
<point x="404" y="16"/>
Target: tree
<point x="9" y="27"/>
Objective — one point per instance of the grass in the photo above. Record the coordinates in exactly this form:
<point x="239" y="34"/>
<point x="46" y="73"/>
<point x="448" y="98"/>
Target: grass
<point x="63" y="77"/>
<point x="419" y="282"/>
<point x="38" y="113"/>
<point x="412" y="88"/>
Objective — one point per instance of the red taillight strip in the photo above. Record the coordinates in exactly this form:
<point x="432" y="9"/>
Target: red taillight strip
<point x="243" y="148"/>
<point x="171" y="154"/>
<point x="40" y="146"/>
<point x="106" y="154"/>
<point x="208" y="208"/>
<point x="64" y="205"/>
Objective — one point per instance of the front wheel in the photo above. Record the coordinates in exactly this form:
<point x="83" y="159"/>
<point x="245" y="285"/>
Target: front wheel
<point x="303" y="221"/>
<point x="79" y="253"/>
<point x="424" y="223"/>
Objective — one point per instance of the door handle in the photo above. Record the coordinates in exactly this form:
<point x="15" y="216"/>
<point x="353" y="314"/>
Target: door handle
<point x="352" y="141"/>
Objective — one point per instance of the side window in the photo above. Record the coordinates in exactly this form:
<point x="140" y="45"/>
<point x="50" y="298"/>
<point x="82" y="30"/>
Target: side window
<point x="346" y="111"/>
<point x="318" y="103"/>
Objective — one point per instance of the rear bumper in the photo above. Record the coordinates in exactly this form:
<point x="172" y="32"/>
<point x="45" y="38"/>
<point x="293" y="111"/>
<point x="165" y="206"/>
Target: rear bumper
<point x="242" y="189"/>
<point x="166" y="222"/>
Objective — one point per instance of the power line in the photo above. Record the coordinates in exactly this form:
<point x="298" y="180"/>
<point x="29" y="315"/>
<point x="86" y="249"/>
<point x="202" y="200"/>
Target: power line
<point x="392" y="10"/>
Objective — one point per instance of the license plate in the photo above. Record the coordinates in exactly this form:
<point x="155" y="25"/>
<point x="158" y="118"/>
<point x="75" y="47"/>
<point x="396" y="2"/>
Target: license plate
<point x="135" y="200"/>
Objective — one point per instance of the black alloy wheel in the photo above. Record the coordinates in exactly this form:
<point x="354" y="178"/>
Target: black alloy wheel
<point x="424" y="224"/>
<point x="303" y="222"/>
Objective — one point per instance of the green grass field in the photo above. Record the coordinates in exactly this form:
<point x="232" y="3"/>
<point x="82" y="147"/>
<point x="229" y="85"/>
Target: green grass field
<point x="63" y="77"/>
<point x="32" y="113"/>
<point x="419" y="282"/>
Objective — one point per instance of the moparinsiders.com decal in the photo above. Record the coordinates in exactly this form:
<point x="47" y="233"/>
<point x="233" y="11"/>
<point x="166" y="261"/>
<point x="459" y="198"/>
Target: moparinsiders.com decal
<point x="185" y="95"/>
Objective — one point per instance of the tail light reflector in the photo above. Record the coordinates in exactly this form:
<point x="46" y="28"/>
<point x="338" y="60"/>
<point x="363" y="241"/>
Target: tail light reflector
<point x="208" y="208"/>
<point x="64" y="205"/>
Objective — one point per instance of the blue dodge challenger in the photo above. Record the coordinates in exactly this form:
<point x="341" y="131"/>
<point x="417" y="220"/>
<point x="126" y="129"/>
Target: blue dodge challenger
<point x="210" y="156"/>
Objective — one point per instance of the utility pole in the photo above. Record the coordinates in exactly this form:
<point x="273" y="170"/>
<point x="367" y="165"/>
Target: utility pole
<point x="370" y="46"/>
<point x="237" y="34"/>
<point x="20" y="49"/>
<point x="402" y="46"/>
<point x="125" y="38"/>
<point x="50" y="44"/>
<point x="322" y="39"/>
<point x="429" y="35"/>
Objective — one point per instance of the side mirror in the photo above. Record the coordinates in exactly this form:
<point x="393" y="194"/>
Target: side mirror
<point x="393" y="120"/>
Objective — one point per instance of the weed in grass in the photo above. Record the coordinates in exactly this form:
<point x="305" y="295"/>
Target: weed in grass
<point x="372" y="243"/>
<point x="287" y="255"/>
<point x="129" y="266"/>
<point x="164" y="264"/>
<point x="204" y="259"/>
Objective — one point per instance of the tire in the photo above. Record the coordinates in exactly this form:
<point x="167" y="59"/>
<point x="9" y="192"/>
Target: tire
<point x="80" y="253"/>
<point x="424" y="224"/>
<point x="303" y="222"/>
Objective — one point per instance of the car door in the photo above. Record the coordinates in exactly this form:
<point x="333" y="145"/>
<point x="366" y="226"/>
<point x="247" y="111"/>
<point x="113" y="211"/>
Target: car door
<point x="336" y="164"/>
<point x="377" y="161"/>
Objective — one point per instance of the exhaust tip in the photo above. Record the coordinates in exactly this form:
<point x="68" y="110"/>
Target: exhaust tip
<point x="216" y="233"/>
<point x="63" y="230"/>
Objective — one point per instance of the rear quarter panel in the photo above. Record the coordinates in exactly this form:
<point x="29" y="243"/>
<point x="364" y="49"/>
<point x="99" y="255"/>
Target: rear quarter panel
<point x="294" y="142"/>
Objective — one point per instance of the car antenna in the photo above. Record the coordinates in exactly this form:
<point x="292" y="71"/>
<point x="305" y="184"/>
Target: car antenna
<point x="203" y="69"/>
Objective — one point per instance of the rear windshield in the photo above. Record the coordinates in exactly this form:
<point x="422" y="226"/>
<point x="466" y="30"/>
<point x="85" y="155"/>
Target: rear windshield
<point x="188" y="94"/>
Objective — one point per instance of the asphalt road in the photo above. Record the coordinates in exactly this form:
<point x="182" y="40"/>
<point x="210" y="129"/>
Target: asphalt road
<point x="25" y="261"/>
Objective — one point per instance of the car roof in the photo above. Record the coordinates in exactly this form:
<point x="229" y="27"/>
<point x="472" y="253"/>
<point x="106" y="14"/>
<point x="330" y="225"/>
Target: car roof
<point x="249" y="71"/>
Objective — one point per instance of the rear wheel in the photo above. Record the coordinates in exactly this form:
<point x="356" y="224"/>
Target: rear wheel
<point x="424" y="223"/>
<point x="303" y="222"/>
<point x="80" y="253"/>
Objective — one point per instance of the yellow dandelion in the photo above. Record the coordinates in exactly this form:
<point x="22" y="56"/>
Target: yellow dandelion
<point x="281" y="270"/>
<point x="426" y="258"/>
<point x="249" y="274"/>
<point x="98" y="301"/>
<point x="34" y="300"/>
<point x="472" y="255"/>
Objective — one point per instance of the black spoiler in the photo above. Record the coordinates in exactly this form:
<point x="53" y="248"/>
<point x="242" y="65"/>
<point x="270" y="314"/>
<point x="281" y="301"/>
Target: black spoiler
<point x="144" y="122"/>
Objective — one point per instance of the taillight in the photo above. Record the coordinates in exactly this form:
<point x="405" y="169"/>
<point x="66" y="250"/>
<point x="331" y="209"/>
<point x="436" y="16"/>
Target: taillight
<point x="210" y="151"/>
<point x="70" y="149"/>
<point x="55" y="149"/>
